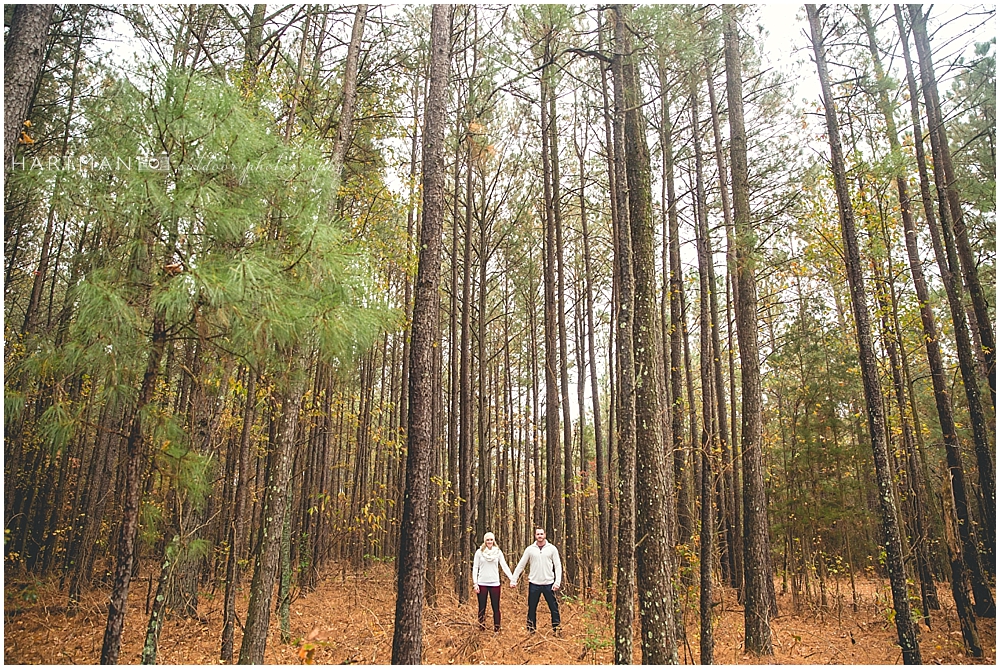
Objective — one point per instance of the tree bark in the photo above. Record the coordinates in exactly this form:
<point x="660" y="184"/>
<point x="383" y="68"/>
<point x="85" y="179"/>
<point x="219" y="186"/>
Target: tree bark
<point x="685" y="514"/>
<point x="609" y="143"/>
<point x="273" y="517"/>
<point x="24" y="54"/>
<point x="251" y="52"/>
<point x="960" y="585"/>
<point x="412" y="556"/>
<point x="970" y="548"/>
<point x="866" y="355"/>
<point x="757" y="570"/>
<point x="570" y="530"/>
<point x="928" y="590"/>
<point x="484" y="495"/>
<point x="155" y="624"/>
<point x="708" y="432"/>
<point x="604" y="527"/>
<point x="953" y="233"/>
<point x="948" y="189"/>
<point x="653" y="551"/>
<point x="456" y="539"/>
<point x="125" y="558"/>
<point x="237" y="531"/>
<point x="465" y="373"/>
<point x="733" y="540"/>
<point x="350" y="90"/>
<point x="626" y="423"/>
<point x="554" y="516"/>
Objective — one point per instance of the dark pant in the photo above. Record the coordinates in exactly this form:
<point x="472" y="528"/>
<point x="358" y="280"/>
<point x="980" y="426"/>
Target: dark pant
<point x="494" y="594"/>
<point x="534" y="593"/>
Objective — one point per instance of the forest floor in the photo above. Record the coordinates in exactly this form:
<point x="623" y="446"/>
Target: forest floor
<point x="349" y="617"/>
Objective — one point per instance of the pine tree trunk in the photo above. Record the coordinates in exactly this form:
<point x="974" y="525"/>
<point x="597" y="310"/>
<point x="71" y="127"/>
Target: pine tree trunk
<point x="692" y="476"/>
<point x="125" y="557"/>
<point x="155" y="623"/>
<point x="285" y="570"/>
<point x="609" y="574"/>
<point x="433" y="530"/>
<point x="484" y="496"/>
<point x="685" y="517"/>
<point x="928" y="588"/>
<point x="970" y="549"/>
<point x="626" y="419"/>
<point x="604" y="526"/>
<point x="708" y="416"/>
<point x="268" y="556"/>
<point x="960" y="584"/>
<point x="734" y="543"/>
<point x="585" y="546"/>
<point x="465" y="391"/>
<point x="251" y="51"/>
<point x="554" y="516"/>
<point x="349" y="89"/>
<point x="98" y="482"/>
<point x="237" y="530"/>
<point x="866" y="355"/>
<point x="757" y="571"/>
<point x="653" y="551"/>
<point x="412" y="556"/>
<point x="956" y="246"/>
<point x="569" y="509"/>
<point x="948" y="188"/>
<point x="914" y="506"/>
<point x="24" y="54"/>
<point x="538" y="508"/>
<point x="458" y="540"/>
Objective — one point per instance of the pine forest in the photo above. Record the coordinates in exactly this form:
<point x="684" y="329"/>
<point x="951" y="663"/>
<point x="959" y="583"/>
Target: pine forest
<point x="678" y="321"/>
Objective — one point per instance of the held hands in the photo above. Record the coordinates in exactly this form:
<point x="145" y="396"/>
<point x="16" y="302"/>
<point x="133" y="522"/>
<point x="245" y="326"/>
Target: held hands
<point x="513" y="584"/>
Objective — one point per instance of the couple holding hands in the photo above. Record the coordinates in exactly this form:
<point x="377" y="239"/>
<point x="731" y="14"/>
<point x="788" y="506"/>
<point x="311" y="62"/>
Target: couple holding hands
<point x="544" y="577"/>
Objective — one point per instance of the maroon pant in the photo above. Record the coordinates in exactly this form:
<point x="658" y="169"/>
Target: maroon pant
<point x="494" y="594"/>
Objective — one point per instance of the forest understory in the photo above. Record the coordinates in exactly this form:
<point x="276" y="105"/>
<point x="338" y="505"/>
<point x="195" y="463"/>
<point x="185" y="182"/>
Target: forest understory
<point x="350" y="616"/>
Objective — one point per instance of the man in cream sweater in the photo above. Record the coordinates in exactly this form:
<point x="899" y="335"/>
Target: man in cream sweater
<point x="544" y="577"/>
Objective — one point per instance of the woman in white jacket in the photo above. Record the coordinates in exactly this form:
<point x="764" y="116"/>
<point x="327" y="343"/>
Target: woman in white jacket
<point x="486" y="578"/>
